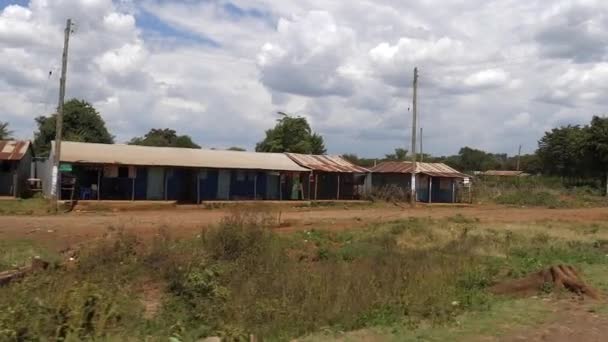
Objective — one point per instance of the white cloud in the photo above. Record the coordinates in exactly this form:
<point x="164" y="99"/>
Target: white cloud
<point x="308" y="56"/>
<point x="487" y="79"/>
<point x="493" y="74"/>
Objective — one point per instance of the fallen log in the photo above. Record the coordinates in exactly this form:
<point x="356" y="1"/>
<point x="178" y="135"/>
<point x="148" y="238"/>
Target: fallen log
<point x="36" y="265"/>
<point x="554" y="277"/>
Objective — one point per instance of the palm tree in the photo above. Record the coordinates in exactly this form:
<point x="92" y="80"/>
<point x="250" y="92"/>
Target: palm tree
<point x="5" y="133"/>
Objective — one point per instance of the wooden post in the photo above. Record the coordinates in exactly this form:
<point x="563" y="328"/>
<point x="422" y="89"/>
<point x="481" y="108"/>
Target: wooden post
<point x="309" y="178"/>
<point x="316" y="184"/>
<point x="280" y="186"/>
<point x="198" y="187"/>
<point x="338" y="195"/>
<point x="15" y="184"/>
<point x="255" y="186"/>
<point x="430" y="189"/>
<point x="132" y="189"/>
<point x="98" y="184"/>
<point x="166" y="183"/>
<point x="453" y="192"/>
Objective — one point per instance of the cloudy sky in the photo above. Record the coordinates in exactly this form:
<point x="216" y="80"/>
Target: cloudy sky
<point x="493" y="73"/>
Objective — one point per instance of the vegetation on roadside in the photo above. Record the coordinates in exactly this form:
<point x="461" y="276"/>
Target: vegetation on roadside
<point x="29" y="206"/>
<point x="241" y="278"/>
<point x="536" y="191"/>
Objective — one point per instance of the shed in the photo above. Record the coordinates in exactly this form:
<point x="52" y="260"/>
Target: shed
<point x="332" y="177"/>
<point x="15" y="167"/>
<point x="130" y="172"/>
<point x="435" y="182"/>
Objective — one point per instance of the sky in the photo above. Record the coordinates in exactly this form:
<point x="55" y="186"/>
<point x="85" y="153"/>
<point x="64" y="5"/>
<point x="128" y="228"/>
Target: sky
<point x="494" y="74"/>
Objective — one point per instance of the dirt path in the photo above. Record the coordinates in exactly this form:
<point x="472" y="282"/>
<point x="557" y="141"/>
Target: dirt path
<point x="75" y="227"/>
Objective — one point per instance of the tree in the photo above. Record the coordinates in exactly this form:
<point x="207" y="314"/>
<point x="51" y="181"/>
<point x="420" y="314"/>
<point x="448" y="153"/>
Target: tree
<point x="597" y="147"/>
<point x="353" y="158"/>
<point x="5" y="133"/>
<point x="164" y="138"/>
<point x="562" y="151"/>
<point x="81" y="122"/>
<point x="235" y="148"/>
<point x="292" y="134"/>
<point x="399" y="155"/>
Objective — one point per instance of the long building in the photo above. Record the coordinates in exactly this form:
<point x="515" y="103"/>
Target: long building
<point x="128" y="172"/>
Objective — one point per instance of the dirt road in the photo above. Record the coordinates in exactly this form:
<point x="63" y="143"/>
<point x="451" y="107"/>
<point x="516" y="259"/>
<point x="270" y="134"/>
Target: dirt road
<point x="75" y="227"/>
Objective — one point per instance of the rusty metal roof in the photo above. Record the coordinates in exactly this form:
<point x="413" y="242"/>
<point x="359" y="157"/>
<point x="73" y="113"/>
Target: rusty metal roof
<point x="13" y="149"/>
<point x="326" y="163"/>
<point x="431" y="169"/>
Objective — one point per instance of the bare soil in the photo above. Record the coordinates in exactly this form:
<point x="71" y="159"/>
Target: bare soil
<point x="573" y="320"/>
<point x="66" y="230"/>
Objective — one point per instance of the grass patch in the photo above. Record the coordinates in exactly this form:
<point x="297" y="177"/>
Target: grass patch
<point x="30" y="206"/>
<point x="18" y="253"/>
<point x="241" y="278"/>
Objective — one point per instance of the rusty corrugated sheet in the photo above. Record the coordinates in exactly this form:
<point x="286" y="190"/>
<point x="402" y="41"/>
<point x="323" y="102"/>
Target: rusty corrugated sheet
<point x="393" y="167"/>
<point x="326" y="163"/>
<point x="13" y="149"/>
<point x="431" y="169"/>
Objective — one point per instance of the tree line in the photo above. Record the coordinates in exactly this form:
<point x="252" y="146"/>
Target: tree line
<point x="573" y="152"/>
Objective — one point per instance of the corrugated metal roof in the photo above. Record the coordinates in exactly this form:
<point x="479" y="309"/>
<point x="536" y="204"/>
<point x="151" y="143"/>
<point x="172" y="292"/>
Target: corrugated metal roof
<point x="326" y="163"/>
<point x="503" y="173"/>
<point x="13" y="149"/>
<point x="77" y="152"/>
<point x="431" y="169"/>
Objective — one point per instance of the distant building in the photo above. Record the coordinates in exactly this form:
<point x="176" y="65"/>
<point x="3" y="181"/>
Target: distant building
<point x="332" y="177"/>
<point x="15" y="165"/>
<point x="435" y="182"/>
<point x="503" y="173"/>
<point x="129" y="172"/>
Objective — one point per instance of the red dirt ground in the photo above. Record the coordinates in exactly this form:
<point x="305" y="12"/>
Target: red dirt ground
<point x="572" y="321"/>
<point x="67" y="229"/>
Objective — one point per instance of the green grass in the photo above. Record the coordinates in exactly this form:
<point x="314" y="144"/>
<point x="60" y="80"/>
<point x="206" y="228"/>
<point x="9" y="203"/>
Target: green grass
<point x="416" y="279"/>
<point x="30" y="206"/>
<point x="536" y="191"/>
<point x="18" y="253"/>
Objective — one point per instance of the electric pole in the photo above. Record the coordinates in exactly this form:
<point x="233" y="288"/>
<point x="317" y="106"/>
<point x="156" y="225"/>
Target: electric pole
<point x="56" y="175"/>
<point x="421" y="150"/>
<point x="413" y="181"/>
<point x="518" y="157"/>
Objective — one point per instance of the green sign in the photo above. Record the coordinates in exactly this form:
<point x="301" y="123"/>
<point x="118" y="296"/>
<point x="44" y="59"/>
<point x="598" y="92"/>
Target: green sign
<point x="65" y="167"/>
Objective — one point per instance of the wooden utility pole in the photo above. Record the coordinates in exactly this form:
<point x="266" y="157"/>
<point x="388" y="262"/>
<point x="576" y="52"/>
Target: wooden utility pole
<point x="56" y="179"/>
<point x="421" y="150"/>
<point x="518" y="157"/>
<point x="413" y="181"/>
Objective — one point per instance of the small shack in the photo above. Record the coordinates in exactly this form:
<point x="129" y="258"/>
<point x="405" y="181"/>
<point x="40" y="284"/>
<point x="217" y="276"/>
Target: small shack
<point x="332" y="177"/>
<point x="15" y="167"/>
<point x="129" y="172"/>
<point x="435" y="182"/>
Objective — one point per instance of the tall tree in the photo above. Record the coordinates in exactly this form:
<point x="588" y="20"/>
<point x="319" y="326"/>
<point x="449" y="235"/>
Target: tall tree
<point x="399" y="155"/>
<point x="5" y="133"/>
<point x="562" y="151"/>
<point x="597" y="147"/>
<point x="81" y="122"/>
<point x="292" y="134"/>
<point x="164" y="138"/>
